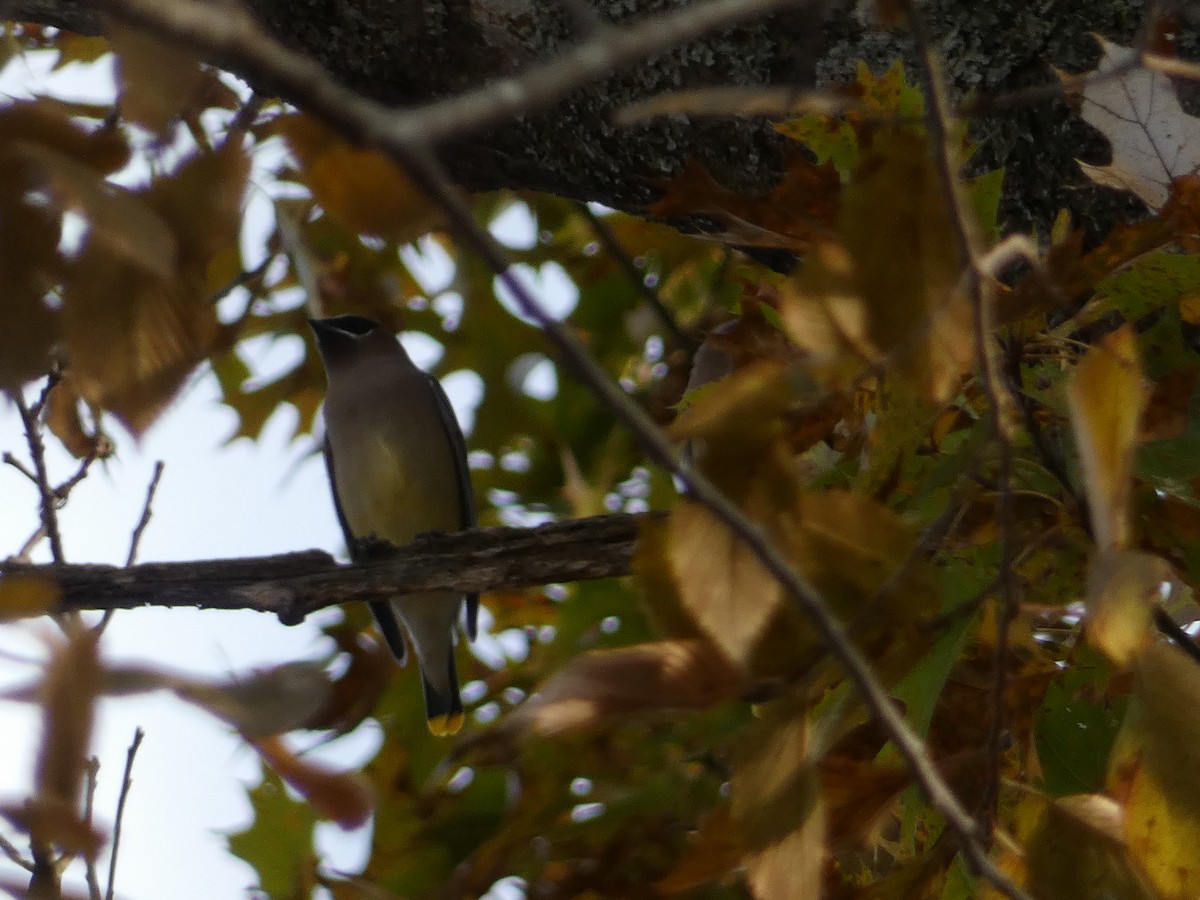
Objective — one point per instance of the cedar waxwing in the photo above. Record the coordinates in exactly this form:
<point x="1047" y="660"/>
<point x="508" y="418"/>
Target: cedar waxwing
<point x="397" y="466"/>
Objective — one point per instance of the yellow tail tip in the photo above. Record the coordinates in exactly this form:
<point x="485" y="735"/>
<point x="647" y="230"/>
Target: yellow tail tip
<point x="444" y="726"/>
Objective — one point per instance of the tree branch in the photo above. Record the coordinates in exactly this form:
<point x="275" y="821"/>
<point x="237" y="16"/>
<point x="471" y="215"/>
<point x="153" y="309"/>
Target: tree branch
<point x="297" y="584"/>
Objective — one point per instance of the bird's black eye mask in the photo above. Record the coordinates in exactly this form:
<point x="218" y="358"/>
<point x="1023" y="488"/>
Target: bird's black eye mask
<point x="356" y="325"/>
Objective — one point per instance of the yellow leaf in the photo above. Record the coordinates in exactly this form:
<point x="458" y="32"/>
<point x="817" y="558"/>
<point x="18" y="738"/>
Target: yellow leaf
<point x="361" y="190"/>
<point x="1106" y="395"/>
<point x="1072" y="847"/>
<point x="23" y="596"/>
<point x="1124" y="587"/>
<point x="1155" y="773"/>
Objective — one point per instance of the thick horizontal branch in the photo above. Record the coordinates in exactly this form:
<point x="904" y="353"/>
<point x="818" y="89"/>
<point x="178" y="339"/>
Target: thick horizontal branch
<point x="296" y="584"/>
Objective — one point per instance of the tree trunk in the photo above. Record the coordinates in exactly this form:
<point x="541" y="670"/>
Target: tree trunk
<point x="408" y="52"/>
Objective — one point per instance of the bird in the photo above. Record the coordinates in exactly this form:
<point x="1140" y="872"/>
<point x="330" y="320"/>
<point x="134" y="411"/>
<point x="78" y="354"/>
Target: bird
<point x="397" y="465"/>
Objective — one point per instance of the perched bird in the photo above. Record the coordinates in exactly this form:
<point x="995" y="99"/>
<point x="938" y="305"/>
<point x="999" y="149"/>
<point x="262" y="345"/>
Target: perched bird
<point x="397" y="466"/>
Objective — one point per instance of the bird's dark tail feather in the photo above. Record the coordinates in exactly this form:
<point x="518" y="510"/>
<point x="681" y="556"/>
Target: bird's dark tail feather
<point x="445" y="713"/>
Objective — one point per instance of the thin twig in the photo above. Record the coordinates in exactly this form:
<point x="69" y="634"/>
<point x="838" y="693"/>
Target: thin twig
<point x="93" y="878"/>
<point x="140" y="528"/>
<point x="9" y="460"/>
<point x="9" y="849"/>
<point x="244" y="120"/>
<point x="135" y="539"/>
<point x="126" y="783"/>
<point x="99" y="448"/>
<point x="938" y="117"/>
<point x="609" y="241"/>
<point x="37" y="454"/>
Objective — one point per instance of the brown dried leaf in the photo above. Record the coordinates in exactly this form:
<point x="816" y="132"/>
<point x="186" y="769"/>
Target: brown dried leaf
<point x="353" y="695"/>
<point x="1072" y="847"/>
<point x="118" y="219"/>
<point x="158" y="80"/>
<point x="133" y="338"/>
<point x="898" y="232"/>
<point x="604" y="686"/>
<point x="778" y="809"/>
<point x="801" y="208"/>
<point x="714" y="851"/>
<point x="64" y="421"/>
<point x="341" y="797"/>
<point x="68" y="694"/>
<point x="1106" y="395"/>
<point x="1167" y="411"/>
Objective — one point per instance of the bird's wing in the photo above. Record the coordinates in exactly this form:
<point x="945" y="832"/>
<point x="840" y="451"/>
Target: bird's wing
<point x="381" y="609"/>
<point x="466" y="497"/>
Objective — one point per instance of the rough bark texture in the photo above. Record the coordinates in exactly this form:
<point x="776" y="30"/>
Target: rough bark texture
<point x="411" y="51"/>
<point x="294" y="585"/>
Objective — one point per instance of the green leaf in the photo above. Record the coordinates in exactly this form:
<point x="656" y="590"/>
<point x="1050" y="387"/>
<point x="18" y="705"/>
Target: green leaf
<point x="278" y="844"/>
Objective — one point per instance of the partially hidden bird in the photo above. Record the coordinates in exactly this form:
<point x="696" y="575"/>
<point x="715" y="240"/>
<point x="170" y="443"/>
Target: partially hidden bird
<point x="397" y="465"/>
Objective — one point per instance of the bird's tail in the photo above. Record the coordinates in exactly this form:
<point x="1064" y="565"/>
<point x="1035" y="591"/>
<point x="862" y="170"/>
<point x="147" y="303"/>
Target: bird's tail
<point x="443" y="705"/>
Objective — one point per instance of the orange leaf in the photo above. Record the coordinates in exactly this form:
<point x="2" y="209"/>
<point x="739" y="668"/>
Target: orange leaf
<point x="361" y="190"/>
<point x="801" y="207"/>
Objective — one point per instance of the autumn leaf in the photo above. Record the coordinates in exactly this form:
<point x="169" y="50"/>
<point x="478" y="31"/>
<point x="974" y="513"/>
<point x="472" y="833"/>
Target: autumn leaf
<point x="361" y="190"/>
<point x="1106" y="395"/>
<point x="1153" y="140"/>
<point x="606" y="686"/>
<point x="778" y="808"/>
<point x="1072" y="847"/>
<point x="158" y="80"/>
<point x="800" y="208"/>
<point x="1155" y="771"/>
<point x="1124" y="587"/>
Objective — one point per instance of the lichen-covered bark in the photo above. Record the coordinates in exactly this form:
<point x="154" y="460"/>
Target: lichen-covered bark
<point x="411" y="51"/>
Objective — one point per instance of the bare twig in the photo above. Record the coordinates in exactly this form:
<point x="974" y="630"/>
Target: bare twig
<point x="93" y="879"/>
<point x="126" y="783"/>
<point x="612" y="246"/>
<point x="9" y="460"/>
<point x="140" y="528"/>
<point x="31" y="423"/>
<point x="9" y="849"/>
